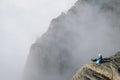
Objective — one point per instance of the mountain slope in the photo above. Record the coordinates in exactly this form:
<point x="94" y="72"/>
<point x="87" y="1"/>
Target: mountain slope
<point x="88" y="28"/>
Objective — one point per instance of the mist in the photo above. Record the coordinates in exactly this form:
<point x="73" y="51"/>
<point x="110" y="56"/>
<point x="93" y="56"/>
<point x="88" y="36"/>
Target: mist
<point x="88" y="28"/>
<point x="21" y="23"/>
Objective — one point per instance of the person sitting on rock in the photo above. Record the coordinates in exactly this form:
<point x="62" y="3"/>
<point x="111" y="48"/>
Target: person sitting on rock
<point x="99" y="60"/>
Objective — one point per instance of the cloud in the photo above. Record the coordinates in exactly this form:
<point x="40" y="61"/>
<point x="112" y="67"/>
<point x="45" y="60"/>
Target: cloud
<point x="90" y="27"/>
<point x="21" y="23"/>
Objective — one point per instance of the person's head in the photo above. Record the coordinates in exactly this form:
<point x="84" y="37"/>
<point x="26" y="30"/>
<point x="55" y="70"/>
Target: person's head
<point x="99" y="56"/>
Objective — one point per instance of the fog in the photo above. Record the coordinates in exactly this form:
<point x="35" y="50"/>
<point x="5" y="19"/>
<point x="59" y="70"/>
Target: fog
<point x="21" y="23"/>
<point x="90" y="27"/>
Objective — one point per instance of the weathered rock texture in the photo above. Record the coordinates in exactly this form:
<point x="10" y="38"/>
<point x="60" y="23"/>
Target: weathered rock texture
<point x="105" y="71"/>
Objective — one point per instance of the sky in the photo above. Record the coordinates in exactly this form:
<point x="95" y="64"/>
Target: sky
<point x="21" y="23"/>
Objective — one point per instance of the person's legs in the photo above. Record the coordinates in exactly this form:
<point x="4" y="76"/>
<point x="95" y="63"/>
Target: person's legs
<point x="98" y="61"/>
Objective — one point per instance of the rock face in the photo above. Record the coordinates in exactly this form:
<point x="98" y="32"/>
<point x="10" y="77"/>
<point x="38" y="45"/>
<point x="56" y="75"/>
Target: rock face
<point x="88" y="28"/>
<point x="105" y="71"/>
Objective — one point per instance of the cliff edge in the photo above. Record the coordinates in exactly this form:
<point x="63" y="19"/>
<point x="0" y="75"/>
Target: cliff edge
<point x="105" y="71"/>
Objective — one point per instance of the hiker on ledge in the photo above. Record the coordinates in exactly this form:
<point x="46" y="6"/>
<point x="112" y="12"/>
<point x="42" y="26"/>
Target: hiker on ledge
<point x="99" y="60"/>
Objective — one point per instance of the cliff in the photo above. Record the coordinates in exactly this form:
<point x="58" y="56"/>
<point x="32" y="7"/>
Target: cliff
<point x="88" y="28"/>
<point x="104" y="71"/>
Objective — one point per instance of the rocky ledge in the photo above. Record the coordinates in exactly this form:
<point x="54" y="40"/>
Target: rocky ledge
<point x="109" y="70"/>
